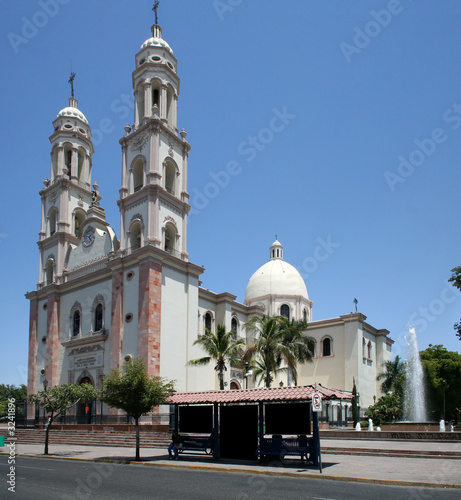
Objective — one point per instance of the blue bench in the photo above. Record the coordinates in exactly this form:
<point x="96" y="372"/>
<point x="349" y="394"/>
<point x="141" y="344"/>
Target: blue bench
<point x="282" y="447"/>
<point x="196" y="443"/>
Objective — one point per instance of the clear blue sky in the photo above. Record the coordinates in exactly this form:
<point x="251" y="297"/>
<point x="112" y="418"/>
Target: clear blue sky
<point x="360" y="179"/>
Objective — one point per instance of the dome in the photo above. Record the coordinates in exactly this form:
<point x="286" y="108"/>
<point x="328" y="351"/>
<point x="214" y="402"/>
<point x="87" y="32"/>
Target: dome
<point x="72" y="112"/>
<point x="156" y="40"/>
<point x="276" y="277"/>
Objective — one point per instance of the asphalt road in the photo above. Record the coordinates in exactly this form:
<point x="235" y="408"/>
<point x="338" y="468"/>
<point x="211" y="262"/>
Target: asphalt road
<point x="50" y="479"/>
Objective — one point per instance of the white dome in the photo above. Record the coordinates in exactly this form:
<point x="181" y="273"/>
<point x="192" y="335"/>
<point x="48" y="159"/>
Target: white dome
<point x="276" y="277"/>
<point x="72" y="112"/>
<point x="156" y="40"/>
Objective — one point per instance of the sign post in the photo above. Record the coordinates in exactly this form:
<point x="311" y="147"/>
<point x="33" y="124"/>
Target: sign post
<point x="316" y="408"/>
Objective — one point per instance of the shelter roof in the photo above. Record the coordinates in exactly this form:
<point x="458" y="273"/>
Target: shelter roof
<point x="263" y="394"/>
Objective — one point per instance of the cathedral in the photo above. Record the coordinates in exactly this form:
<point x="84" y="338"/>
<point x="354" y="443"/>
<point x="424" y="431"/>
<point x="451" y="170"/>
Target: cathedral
<point x="103" y="299"/>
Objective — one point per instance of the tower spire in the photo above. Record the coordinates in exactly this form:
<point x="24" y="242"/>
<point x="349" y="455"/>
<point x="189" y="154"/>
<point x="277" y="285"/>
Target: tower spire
<point x="154" y="8"/>
<point x="72" y="101"/>
<point x="71" y="81"/>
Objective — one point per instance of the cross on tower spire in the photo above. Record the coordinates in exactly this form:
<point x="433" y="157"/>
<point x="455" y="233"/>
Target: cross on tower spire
<point x="71" y="81"/>
<point x="154" y="8"/>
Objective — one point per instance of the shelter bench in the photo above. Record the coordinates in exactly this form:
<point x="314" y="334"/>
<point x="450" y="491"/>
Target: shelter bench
<point x="196" y="443"/>
<point x="282" y="447"/>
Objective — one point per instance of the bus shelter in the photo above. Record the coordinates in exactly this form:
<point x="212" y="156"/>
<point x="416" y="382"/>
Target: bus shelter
<point x="240" y="424"/>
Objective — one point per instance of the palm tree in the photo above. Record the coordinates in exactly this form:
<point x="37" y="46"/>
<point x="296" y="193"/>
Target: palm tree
<point x="220" y="347"/>
<point x="277" y="340"/>
<point x="261" y="371"/>
<point x="393" y="376"/>
<point x="301" y="345"/>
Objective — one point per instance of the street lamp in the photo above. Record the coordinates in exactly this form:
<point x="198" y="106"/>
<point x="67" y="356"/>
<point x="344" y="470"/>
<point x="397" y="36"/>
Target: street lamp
<point x="45" y="383"/>
<point x="247" y="373"/>
<point x="444" y="386"/>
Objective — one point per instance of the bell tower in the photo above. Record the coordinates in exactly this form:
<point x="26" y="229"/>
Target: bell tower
<point x="66" y="195"/>
<point x="153" y="197"/>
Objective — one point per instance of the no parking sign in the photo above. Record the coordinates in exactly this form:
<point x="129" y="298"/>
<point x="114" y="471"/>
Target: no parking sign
<point x="316" y="401"/>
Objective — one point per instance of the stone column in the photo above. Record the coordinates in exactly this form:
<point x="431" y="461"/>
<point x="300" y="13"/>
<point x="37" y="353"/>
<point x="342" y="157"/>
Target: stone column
<point x="163" y="102"/>
<point x="136" y="109"/>
<point x="52" y="342"/>
<point x="147" y="99"/>
<point x="73" y="174"/>
<point x="149" y="314"/>
<point x="59" y="170"/>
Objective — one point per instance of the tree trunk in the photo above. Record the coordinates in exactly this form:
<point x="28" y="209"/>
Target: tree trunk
<point x="47" y="430"/>
<point x="137" y="437"/>
<point x="221" y="380"/>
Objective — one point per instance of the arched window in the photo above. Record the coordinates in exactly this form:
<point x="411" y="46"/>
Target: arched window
<point x="98" y="316"/>
<point x="305" y="316"/>
<point x="68" y="159"/>
<point x="76" y="323"/>
<point x="170" y="238"/>
<point x="207" y="321"/>
<point x="135" y="236"/>
<point x="79" y="217"/>
<point x="364" y="348"/>
<point x="156" y="93"/>
<point x="49" y="271"/>
<point x="138" y="175"/>
<point x="234" y="327"/>
<point x="170" y="177"/>
<point x="52" y="221"/>
<point x="326" y="347"/>
<point x="369" y="350"/>
<point x="285" y="311"/>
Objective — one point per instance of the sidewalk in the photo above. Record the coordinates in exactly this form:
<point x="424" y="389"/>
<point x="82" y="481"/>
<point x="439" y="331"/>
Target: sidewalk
<point x="441" y="472"/>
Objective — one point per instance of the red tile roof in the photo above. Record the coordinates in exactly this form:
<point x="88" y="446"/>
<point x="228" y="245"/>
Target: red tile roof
<point x="303" y="393"/>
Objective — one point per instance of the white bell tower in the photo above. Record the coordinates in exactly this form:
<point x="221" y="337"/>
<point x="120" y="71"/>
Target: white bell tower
<point x="66" y="195"/>
<point x="153" y="197"/>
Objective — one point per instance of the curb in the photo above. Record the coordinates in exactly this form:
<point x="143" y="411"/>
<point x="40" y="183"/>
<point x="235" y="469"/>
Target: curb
<point x="307" y="475"/>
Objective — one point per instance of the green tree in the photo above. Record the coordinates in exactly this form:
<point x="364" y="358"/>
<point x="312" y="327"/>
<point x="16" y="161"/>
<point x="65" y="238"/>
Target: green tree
<point x="277" y="340"/>
<point x="442" y="369"/>
<point x="10" y="391"/>
<point x="393" y="376"/>
<point x="355" y="405"/>
<point x="134" y="392"/>
<point x="60" y="398"/>
<point x="221" y="348"/>
<point x="387" y="409"/>
<point x="456" y="280"/>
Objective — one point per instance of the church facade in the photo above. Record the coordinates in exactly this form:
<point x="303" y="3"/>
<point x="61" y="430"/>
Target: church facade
<point x="103" y="299"/>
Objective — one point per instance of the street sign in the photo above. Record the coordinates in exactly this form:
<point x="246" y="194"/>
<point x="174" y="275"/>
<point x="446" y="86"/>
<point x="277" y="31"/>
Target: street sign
<point x="316" y="401"/>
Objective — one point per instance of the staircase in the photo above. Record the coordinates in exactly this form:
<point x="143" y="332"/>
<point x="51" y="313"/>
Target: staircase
<point x="102" y="437"/>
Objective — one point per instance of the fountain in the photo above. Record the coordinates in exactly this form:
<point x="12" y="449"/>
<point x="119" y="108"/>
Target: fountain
<point x="414" y="409"/>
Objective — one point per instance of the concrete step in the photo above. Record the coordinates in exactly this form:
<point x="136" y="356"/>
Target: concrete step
<point x="98" y="438"/>
<point x="391" y="453"/>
